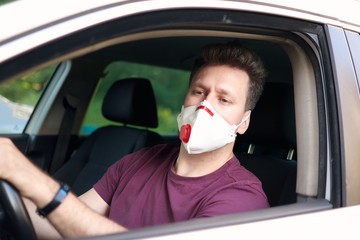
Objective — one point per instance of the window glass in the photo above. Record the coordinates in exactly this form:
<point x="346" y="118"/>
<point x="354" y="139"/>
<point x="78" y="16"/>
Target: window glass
<point x="18" y="98"/>
<point x="170" y="87"/>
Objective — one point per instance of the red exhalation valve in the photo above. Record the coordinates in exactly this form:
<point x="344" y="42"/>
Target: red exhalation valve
<point x="185" y="132"/>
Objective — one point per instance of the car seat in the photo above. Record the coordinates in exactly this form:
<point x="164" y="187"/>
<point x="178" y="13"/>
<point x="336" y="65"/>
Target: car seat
<point x="272" y="125"/>
<point x="267" y="148"/>
<point x="128" y="101"/>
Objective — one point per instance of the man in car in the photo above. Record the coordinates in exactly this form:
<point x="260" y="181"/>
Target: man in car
<point x="165" y="183"/>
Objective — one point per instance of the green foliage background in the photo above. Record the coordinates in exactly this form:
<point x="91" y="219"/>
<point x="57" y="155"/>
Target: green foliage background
<point x="5" y="1"/>
<point x="27" y="89"/>
<point x="170" y="87"/>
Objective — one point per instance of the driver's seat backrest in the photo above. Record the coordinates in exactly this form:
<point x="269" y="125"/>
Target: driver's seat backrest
<point x="128" y="101"/>
<point x="272" y="124"/>
<point x="272" y="134"/>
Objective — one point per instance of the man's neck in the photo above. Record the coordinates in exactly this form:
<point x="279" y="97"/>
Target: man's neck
<point x="196" y="165"/>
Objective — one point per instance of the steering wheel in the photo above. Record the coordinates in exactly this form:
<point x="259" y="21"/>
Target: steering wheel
<point x="14" y="219"/>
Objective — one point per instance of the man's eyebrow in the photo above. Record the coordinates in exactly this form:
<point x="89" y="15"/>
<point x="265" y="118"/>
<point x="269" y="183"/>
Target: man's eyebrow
<point x="226" y="92"/>
<point x="198" y="84"/>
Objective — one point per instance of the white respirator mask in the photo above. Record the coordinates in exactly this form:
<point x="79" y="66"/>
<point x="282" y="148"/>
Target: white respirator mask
<point x="202" y="129"/>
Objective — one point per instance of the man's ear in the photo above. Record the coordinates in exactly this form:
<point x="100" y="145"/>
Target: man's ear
<point x="245" y="125"/>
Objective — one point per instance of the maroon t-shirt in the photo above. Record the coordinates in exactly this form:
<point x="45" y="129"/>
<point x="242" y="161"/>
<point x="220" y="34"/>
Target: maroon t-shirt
<point x="142" y="190"/>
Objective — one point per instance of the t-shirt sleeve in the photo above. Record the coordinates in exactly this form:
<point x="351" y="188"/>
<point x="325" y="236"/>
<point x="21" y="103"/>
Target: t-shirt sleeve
<point x="106" y="186"/>
<point x="234" y="198"/>
<point x="109" y="183"/>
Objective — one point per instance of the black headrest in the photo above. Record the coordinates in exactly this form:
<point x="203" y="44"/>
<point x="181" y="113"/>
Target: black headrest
<point x="131" y="101"/>
<point x="273" y="119"/>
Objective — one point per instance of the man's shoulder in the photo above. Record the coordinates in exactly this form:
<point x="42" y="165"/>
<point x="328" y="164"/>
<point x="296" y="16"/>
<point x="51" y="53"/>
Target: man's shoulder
<point x="239" y="172"/>
<point x="245" y="185"/>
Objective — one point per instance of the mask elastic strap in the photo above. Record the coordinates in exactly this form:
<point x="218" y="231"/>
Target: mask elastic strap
<point x="233" y="134"/>
<point x="243" y="120"/>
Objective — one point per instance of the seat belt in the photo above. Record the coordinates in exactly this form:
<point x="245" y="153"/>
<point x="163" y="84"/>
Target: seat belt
<point x="64" y="135"/>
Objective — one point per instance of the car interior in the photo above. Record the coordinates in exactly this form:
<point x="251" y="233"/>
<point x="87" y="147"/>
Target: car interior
<point x="89" y="163"/>
<point x="270" y="147"/>
<point x="281" y="146"/>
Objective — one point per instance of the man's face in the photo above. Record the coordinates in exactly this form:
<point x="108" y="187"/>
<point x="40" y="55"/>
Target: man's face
<point x="225" y="88"/>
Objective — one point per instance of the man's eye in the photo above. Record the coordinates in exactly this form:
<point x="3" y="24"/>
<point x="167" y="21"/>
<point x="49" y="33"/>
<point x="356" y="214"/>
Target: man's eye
<point x="197" y="92"/>
<point x="224" y="100"/>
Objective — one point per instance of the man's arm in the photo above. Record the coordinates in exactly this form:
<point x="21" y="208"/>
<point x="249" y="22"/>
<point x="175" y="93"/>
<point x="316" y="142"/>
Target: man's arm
<point x="44" y="229"/>
<point x="93" y="200"/>
<point x="72" y="218"/>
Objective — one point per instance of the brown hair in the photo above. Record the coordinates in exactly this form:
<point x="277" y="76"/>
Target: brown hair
<point x="237" y="56"/>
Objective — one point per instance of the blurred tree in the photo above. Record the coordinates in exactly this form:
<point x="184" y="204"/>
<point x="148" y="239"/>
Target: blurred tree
<point x="170" y="87"/>
<point x="5" y="1"/>
<point x="27" y="89"/>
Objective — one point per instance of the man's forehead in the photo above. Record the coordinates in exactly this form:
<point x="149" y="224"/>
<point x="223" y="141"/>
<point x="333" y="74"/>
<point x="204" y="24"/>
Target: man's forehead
<point x="234" y="87"/>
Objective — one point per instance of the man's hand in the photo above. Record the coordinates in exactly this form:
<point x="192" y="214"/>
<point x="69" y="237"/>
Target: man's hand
<point x="11" y="159"/>
<point x="72" y="218"/>
<point x="25" y="176"/>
